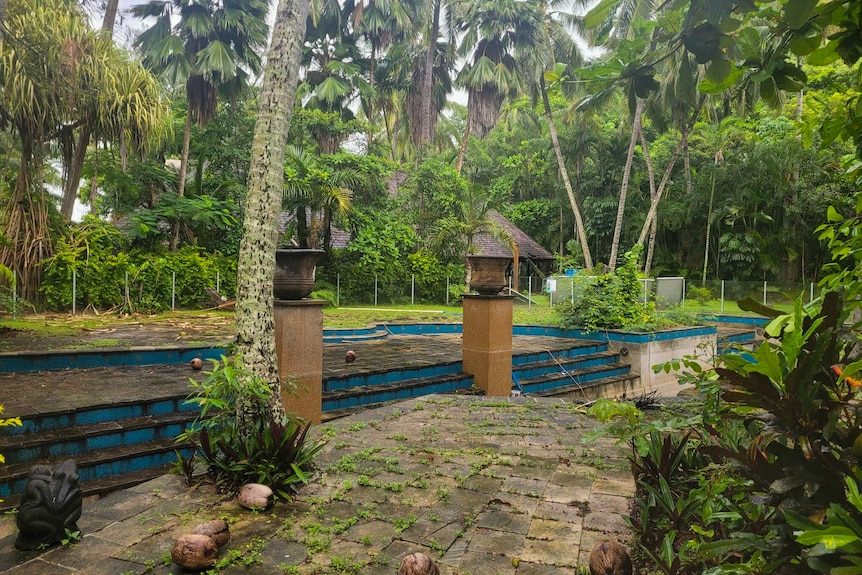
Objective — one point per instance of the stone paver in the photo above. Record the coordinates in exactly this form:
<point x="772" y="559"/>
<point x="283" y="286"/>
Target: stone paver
<point x="529" y="505"/>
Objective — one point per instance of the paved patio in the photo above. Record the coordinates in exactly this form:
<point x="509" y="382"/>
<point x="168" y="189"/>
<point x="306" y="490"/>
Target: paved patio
<point x="483" y="485"/>
<point x="27" y="393"/>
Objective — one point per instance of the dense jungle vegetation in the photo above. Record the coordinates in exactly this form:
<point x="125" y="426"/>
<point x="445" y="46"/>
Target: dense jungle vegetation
<point x="716" y="134"/>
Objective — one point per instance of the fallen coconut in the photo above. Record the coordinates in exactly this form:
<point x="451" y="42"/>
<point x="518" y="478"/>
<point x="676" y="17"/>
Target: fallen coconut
<point x="418" y="564"/>
<point x="255" y="496"/>
<point x="610" y="558"/>
<point x="217" y="530"/>
<point x="194" y="552"/>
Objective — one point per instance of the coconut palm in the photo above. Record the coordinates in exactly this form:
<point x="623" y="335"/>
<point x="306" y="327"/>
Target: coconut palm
<point x="333" y="73"/>
<point x="205" y="45"/>
<point x="552" y="51"/>
<point x="439" y="17"/>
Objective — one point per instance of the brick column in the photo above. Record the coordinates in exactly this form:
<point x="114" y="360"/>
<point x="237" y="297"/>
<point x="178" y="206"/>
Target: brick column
<point x="486" y="349"/>
<point x="299" y="346"/>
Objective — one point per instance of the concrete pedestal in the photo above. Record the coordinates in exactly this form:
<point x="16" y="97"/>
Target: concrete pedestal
<point x="299" y="346"/>
<point x="486" y="351"/>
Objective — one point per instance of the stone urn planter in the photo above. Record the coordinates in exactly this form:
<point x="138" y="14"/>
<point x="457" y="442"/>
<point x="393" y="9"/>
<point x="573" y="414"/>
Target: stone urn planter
<point x="488" y="275"/>
<point x="294" y="272"/>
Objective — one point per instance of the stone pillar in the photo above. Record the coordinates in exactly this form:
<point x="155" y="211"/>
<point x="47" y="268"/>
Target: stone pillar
<point x="299" y="346"/>
<point x="486" y="349"/>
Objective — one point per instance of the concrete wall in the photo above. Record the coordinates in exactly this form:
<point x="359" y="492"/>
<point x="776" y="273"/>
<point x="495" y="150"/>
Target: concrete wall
<point x="644" y="355"/>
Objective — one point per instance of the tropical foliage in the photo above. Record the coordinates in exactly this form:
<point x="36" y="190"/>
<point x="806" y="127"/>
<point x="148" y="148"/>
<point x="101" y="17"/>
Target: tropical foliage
<point x="276" y="454"/>
<point x="762" y="476"/>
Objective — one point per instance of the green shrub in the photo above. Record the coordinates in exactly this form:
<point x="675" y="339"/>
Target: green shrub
<point x="773" y="482"/>
<point x="274" y="453"/>
<point x="96" y="254"/>
<point x="701" y="295"/>
<point x="609" y="301"/>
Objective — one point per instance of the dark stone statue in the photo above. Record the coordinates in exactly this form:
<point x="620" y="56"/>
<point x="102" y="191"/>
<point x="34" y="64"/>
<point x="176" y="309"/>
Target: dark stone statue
<point x="51" y="504"/>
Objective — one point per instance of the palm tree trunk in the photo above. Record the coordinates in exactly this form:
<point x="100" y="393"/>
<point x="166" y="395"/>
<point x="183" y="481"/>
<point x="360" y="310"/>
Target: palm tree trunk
<point x="652" y="192"/>
<point x="462" y="151"/>
<point x="428" y="80"/>
<point x="3" y="4"/>
<point x="181" y="178"/>
<point x="683" y="142"/>
<point x="651" y="246"/>
<point x="74" y="171"/>
<point x="621" y="206"/>
<point x="564" y="174"/>
<point x="709" y="218"/>
<point x="110" y="16"/>
<point x="255" y="325"/>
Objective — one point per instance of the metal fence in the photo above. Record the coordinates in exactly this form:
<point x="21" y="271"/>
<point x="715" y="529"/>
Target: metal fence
<point x="668" y="292"/>
<point x="718" y="295"/>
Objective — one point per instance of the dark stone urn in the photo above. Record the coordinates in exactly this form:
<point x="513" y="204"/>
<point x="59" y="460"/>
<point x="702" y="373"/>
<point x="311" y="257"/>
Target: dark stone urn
<point x="488" y="275"/>
<point x="294" y="272"/>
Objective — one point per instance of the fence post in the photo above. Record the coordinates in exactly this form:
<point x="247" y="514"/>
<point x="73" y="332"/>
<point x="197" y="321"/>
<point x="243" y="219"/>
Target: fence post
<point x="764" y="292"/>
<point x="572" y="285"/>
<point x="683" y="293"/>
<point x="447" y="290"/>
<point x="338" y="290"/>
<point x="722" y="296"/>
<point x="173" y="290"/>
<point x="218" y="282"/>
<point x="412" y="288"/>
<point x="811" y="293"/>
<point x="74" y="289"/>
<point x="127" y="302"/>
<point x="530" y="292"/>
<point x="15" y="295"/>
<point x="375" y="290"/>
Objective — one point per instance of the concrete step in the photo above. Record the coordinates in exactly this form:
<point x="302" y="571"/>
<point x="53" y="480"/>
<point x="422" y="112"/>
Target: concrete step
<point x="563" y="363"/>
<point x="578" y="377"/>
<point x="102" y="413"/>
<point x="579" y="348"/>
<point x="104" y="468"/>
<point x="71" y="442"/>
<point x="365" y="395"/>
<point x="614" y="386"/>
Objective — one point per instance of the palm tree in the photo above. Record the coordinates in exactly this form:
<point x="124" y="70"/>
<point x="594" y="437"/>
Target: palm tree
<point x="206" y="45"/>
<point x="255" y="331"/>
<point x="334" y="68"/>
<point x="381" y="23"/>
<point x="322" y="191"/>
<point x="548" y="56"/>
<point x="471" y="219"/>
<point x="430" y="67"/>
<point x="493" y="31"/>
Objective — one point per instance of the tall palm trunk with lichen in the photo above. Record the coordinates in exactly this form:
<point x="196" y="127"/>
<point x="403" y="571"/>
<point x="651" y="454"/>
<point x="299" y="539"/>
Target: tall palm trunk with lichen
<point x="255" y="324"/>
<point x="564" y="174"/>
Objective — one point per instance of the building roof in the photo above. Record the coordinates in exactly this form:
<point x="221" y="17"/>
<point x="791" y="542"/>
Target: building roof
<point x="483" y="244"/>
<point x="528" y="248"/>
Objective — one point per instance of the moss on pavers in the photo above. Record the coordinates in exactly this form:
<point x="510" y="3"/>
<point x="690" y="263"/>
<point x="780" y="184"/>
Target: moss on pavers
<point x="521" y="507"/>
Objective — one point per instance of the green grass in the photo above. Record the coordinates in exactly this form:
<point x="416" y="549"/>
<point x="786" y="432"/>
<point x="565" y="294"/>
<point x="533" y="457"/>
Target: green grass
<point x="539" y="313"/>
